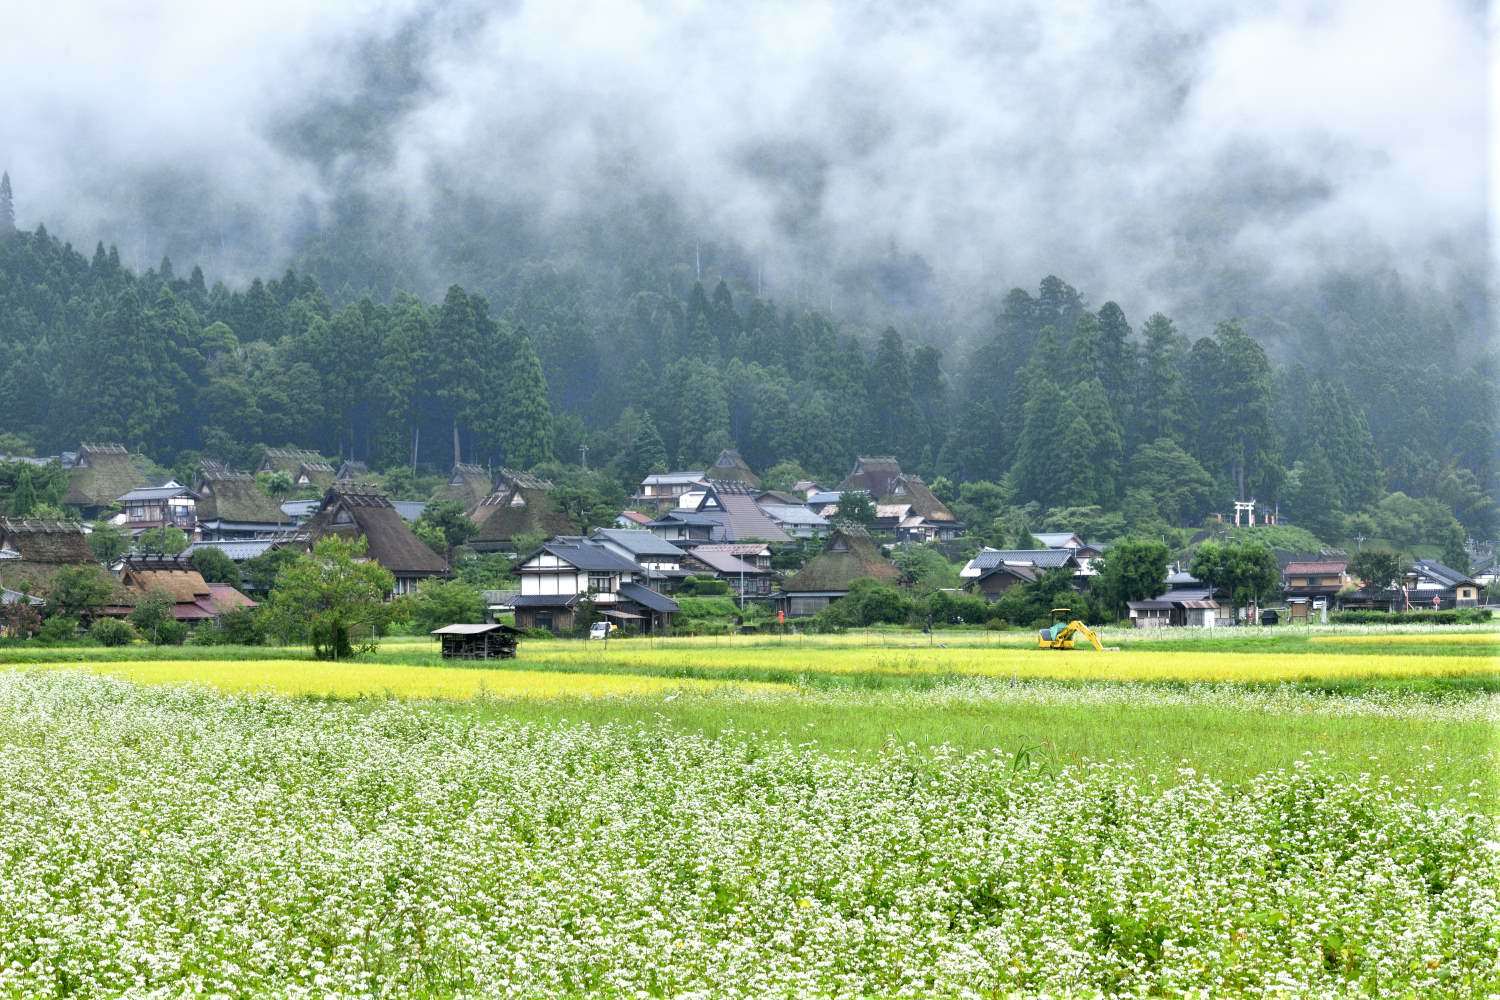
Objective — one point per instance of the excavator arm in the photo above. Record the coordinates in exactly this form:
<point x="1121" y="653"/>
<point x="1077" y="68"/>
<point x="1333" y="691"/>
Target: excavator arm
<point x="1079" y="628"/>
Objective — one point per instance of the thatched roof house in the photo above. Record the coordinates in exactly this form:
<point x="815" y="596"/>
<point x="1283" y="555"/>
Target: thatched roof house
<point x="32" y="550"/>
<point x="193" y="599"/>
<point x="232" y="505"/>
<point x="731" y="465"/>
<point x="467" y="485"/>
<point x="904" y="504"/>
<point x="359" y="510"/>
<point x="304" y="468"/>
<point x="849" y="555"/>
<point x="101" y="473"/>
<point x="521" y="506"/>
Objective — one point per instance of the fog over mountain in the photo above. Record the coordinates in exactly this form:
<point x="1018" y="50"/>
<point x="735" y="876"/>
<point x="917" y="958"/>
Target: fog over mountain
<point x="1163" y="154"/>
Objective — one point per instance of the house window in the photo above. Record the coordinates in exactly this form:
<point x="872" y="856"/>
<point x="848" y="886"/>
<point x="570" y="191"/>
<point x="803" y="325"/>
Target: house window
<point x="600" y="582"/>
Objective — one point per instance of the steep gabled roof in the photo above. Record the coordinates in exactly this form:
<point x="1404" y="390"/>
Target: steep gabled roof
<point x="733" y="505"/>
<point x="875" y="474"/>
<point x="1445" y="576"/>
<point x="517" y="480"/>
<point x="523" y="510"/>
<point x="583" y="553"/>
<point x="467" y="485"/>
<point x="296" y="462"/>
<point x="849" y="555"/>
<point x="359" y="510"/>
<point x="882" y="478"/>
<point x="732" y="465"/>
<point x="101" y="473"/>
<point x="59" y="543"/>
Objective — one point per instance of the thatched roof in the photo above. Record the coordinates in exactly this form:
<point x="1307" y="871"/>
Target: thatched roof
<point x="299" y="463"/>
<point x="38" y="541"/>
<point x="850" y="555"/>
<point x="235" y="496"/>
<point x="516" y="480"/>
<point x="194" y="599"/>
<point x="882" y="478"/>
<point x="467" y="485"/>
<point x="523" y="510"/>
<point x="732" y="465"/>
<point x="101" y="473"/>
<point x="359" y="510"/>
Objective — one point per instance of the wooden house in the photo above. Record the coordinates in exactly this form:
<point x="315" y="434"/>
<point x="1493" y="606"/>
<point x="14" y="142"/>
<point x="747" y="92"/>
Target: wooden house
<point x="1430" y="584"/>
<point x="171" y="505"/>
<point x="725" y="511"/>
<point x="478" y="642"/>
<point x="660" y="490"/>
<point x="356" y="510"/>
<point x="994" y="571"/>
<point x="99" y="475"/>
<point x="847" y="556"/>
<point x="565" y="571"/>
<point x="231" y="505"/>
<point x="660" y="561"/>
<point x="306" y="469"/>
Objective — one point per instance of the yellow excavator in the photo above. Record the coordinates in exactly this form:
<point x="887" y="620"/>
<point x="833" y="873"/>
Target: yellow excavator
<point x="1062" y="633"/>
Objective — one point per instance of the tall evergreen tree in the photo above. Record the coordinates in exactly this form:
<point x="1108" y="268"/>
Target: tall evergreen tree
<point x="1161" y="408"/>
<point x="890" y="396"/>
<point x="7" y="206"/>
<point x="527" y="424"/>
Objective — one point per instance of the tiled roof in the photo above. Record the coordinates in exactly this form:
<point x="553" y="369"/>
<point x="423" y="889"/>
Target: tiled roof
<point x="1324" y="568"/>
<point x="647" y="598"/>
<point x="586" y="554"/>
<point x="637" y="542"/>
<point x="723" y="563"/>
<point x="1447" y="576"/>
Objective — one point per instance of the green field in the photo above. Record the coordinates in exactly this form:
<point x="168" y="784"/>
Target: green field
<point x="863" y="814"/>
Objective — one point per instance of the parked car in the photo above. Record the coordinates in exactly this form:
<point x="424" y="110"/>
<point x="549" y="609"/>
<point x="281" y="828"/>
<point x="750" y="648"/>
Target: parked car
<point x="601" y="630"/>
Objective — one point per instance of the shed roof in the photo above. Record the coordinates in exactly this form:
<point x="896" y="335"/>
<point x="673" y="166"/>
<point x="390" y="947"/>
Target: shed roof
<point x="479" y="629"/>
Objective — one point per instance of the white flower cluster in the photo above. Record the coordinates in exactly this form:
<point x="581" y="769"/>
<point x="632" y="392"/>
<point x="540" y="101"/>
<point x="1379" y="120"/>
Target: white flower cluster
<point x="161" y="842"/>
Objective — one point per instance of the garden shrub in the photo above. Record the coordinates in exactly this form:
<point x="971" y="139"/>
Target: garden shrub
<point x="1445" y="616"/>
<point x="58" y="628"/>
<point x="112" y="632"/>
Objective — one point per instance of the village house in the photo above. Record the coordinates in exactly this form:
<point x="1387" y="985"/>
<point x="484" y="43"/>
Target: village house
<point x="848" y="555"/>
<point x="569" y="570"/>
<point x="1310" y="583"/>
<point x="1084" y="552"/>
<point x="194" y="600"/>
<point x="660" y="562"/>
<point x="824" y="503"/>
<point x="1186" y="603"/>
<point x="745" y="578"/>
<point x="32" y="550"/>
<point x="797" y="520"/>
<point x="306" y="469"/>
<point x="904" y="506"/>
<point x="231" y="505"/>
<point x="520" y="505"/>
<point x="351" y="471"/>
<point x="994" y="571"/>
<point x="732" y="506"/>
<point x="356" y="510"/>
<point x="100" y="474"/>
<point x="1431" y="584"/>
<point x="662" y="489"/>
<point x="171" y="505"/>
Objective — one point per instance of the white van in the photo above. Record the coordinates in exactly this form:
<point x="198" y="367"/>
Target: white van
<point x="601" y="630"/>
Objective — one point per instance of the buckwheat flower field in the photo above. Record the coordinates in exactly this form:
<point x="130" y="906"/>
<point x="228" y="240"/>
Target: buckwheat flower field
<point x="166" y="840"/>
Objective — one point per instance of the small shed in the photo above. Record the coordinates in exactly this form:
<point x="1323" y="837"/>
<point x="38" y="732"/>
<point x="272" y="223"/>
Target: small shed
<point x="478" y="642"/>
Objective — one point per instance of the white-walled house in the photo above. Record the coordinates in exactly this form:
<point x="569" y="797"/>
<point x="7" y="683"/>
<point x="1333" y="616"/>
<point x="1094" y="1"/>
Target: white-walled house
<point x="568" y="569"/>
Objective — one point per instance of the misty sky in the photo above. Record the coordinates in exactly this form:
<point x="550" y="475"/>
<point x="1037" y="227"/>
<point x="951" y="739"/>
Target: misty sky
<point x="1124" y="145"/>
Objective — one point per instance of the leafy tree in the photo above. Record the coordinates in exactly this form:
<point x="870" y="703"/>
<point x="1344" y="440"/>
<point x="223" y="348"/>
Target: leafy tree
<point x="1133" y="569"/>
<point x="165" y="539"/>
<point x="869" y="602"/>
<point x="784" y="475"/>
<point x="111" y="632"/>
<point x="259" y="574"/>
<point x="153" y="618"/>
<point x="856" y="507"/>
<point x="333" y="598"/>
<point x="444" y="525"/>
<point x="444" y="602"/>
<point x="1376" y="567"/>
<point x="78" y="592"/>
<point x="215" y="567"/>
<point x="107" y="542"/>
<point x="19" y="620"/>
<point x="1246" y="570"/>
<point x="924" y="569"/>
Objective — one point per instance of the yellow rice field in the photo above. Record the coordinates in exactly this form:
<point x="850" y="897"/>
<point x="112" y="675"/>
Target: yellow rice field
<point x="1006" y="662"/>
<point x="353" y="680"/>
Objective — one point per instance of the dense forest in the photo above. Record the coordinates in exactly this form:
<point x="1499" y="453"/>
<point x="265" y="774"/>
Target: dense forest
<point x="1351" y="430"/>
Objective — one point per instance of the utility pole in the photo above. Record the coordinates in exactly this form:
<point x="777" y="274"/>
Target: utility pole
<point x="583" y="456"/>
<point x="697" y="261"/>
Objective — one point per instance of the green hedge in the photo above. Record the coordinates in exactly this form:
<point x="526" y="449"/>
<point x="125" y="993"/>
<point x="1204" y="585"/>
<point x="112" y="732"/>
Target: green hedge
<point x="1450" y="616"/>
